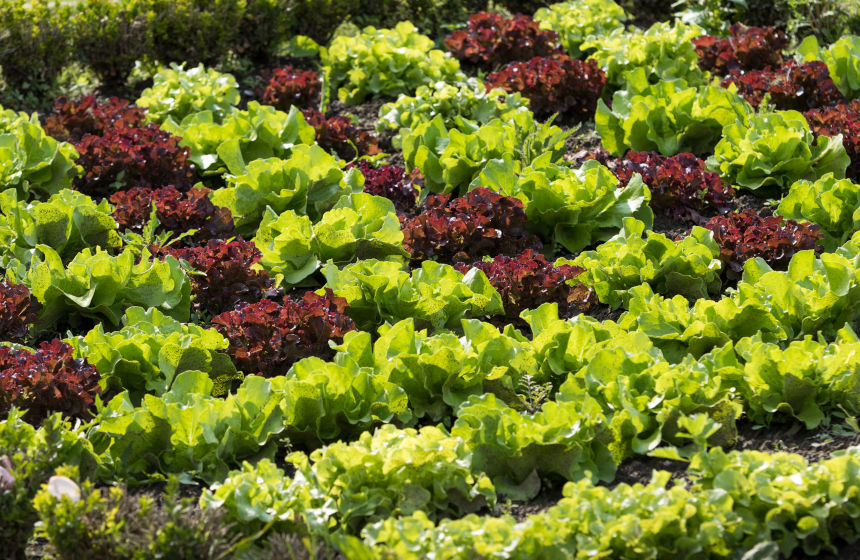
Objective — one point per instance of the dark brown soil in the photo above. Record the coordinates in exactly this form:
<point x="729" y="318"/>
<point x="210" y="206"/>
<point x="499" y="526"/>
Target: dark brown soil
<point x="583" y="140"/>
<point x="548" y="497"/>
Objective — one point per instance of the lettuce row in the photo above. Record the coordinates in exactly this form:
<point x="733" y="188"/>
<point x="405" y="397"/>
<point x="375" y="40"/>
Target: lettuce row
<point x="68" y="222"/>
<point x="309" y="181"/>
<point x="572" y="208"/>
<point x="451" y="157"/>
<point x="435" y="295"/>
<point x="775" y="149"/>
<point x="385" y="62"/>
<point x="359" y="226"/>
<point x="669" y="117"/>
<point x="468" y="99"/>
<point x="221" y="144"/>
<point x="690" y="267"/>
<point x="771" y="504"/>
<point x="32" y="162"/>
<point x="97" y="286"/>
<point x="150" y="350"/>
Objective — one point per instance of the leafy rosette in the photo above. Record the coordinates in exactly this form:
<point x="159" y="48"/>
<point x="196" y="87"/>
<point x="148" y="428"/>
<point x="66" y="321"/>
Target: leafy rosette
<point x="124" y="157"/>
<point x="435" y="295"/>
<point x="338" y="135"/>
<point x="747" y="48"/>
<point x="557" y="84"/>
<point x="344" y="486"/>
<point x="808" y="380"/>
<point x="96" y="286"/>
<point x="668" y="117"/>
<point x="31" y="161"/>
<point x="663" y="52"/>
<point x="218" y="145"/>
<point x="385" y="62"/>
<point x="177" y="212"/>
<point x="841" y="59"/>
<point x="177" y="93"/>
<point x="528" y="280"/>
<point x="490" y="40"/>
<point x="187" y="430"/>
<point x="689" y="267"/>
<point x="573" y="208"/>
<point x="266" y="338"/>
<point x="840" y="120"/>
<point x="46" y="380"/>
<point x="576" y="21"/>
<point x="680" y="185"/>
<point x="468" y="99"/>
<point x="745" y="235"/>
<point x="792" y="86"/>
<point x="561" y="441"/>
<point x="439" y="372"/>
<point x="284" y="87"/>
<point x="18" y="312"/>
<point x="72" y="120"/>
<point x="68" y="222"/>
<point x="775" y="150"/>
<point x="833" y="204"/>
<point x="310" y="182"/>
<point x="391" y="182"/>
<point x="224" y="274"/>
<point x="359" y="226"/>
<point x="479" y="223"/>
<point x="450" y="158"/>
<point x="150" y="350"/>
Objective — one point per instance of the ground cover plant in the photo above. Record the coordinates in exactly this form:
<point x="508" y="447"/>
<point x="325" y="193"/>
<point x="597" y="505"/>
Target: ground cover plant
<point x="417" y="278"/>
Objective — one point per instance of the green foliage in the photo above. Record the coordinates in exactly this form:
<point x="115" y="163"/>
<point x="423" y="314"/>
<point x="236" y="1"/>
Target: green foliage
<point x="150" y="350"/>
<point x="110" y="37"/>
<point x="240" y="137"/>
<point x="325" y="401"/>
<point x="450" y="158"/>
<point x="563" y="439"/>
<point x="192" y="31"/>
<point x="309" y="182"/>
<point x="832" y="203"/>
<point x="435" y="295"/>
<point x="188" y="431"/>
<point x="113" y="524"/>
<point x="755" y="503"/>
<point x="690" y="267"/>
<point x="571" y="208"/>
<point x="385" y="62"/>
<point x="100" y="287"/>
<point x="68" y="222"/>
<point x="390" y="472"/>
<point x="663" y="51"/>
<point x="34" y="454"/>
<point x="439" y="372"/>
<point x="576" y="21"/>
<point x="359" y="226"/>
<point x="842" y="60"/>
<point x="36" y="42"/>
<point x="31" y="161"/>
<point x="667" y="117"/>
<point x="468" y="99"/>
<point x="775" y="149"/>
<point x="177" y="93"/>
<point x="806" y="380"/>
